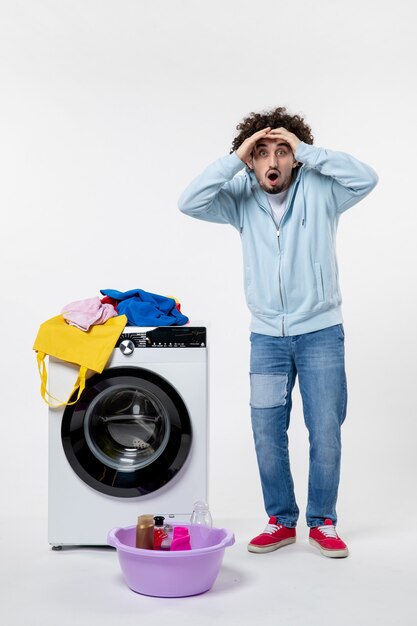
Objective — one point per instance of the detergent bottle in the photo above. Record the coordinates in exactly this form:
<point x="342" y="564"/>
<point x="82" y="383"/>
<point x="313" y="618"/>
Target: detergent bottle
<point x="144" y="532"/>
<point x="181" y="539"/>
<point x="160" y="534"/>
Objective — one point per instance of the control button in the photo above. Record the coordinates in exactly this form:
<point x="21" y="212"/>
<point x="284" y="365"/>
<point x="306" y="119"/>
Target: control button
<point x="127" y="347"/>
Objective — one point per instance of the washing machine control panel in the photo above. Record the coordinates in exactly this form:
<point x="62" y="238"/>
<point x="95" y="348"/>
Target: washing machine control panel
<point x="163" y="337"/>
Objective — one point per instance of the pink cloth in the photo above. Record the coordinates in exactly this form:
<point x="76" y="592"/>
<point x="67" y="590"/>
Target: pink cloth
<point x="86" y="313"/>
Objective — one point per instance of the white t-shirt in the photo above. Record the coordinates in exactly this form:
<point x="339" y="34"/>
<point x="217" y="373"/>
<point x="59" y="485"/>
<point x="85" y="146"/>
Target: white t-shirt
<point x="277" y="202"/>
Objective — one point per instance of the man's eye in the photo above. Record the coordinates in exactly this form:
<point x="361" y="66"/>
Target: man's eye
<point x="263" y="153"/>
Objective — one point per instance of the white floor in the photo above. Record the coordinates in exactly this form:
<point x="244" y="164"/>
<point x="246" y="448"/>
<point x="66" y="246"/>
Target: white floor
<point x="294" y="586"/>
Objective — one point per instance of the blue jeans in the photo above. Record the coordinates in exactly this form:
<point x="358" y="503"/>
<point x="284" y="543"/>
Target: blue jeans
<point x="318" y="360"/>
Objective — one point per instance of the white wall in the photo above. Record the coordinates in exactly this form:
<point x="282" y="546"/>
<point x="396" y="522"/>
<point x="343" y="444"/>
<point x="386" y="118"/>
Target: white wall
<point x="108" y="109"/>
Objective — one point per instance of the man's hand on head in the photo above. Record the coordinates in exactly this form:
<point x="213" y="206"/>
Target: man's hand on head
<point x="244" y="152"/>
<point x="284" y="134"/>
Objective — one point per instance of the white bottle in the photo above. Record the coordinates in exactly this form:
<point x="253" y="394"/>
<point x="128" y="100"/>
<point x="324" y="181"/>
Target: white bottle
<point x="201" y="514"/>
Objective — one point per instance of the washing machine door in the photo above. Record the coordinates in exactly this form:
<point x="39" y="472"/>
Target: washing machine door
<point x="129" y="434"/>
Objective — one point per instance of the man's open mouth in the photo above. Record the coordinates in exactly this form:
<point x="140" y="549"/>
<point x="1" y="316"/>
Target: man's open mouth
<point x="272" y="176"/>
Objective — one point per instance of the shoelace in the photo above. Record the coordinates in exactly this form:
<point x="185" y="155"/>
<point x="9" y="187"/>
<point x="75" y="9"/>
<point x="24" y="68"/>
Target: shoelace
<point x="271" y="528"/>
<point x="328" y="531"/>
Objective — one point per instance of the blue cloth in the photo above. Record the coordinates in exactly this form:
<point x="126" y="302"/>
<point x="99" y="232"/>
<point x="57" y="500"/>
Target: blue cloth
<point x="143" y="308"/>
<point x="318" y="360"/>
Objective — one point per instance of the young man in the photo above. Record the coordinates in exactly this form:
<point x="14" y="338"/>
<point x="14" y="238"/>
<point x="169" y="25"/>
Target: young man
<point x="286" y="207"/>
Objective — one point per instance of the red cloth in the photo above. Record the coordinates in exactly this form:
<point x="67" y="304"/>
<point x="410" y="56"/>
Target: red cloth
<point x="112" y="301"/>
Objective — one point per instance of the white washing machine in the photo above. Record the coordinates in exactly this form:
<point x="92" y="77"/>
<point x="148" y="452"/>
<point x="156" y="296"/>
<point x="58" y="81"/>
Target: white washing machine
<point x="136" y="440"/>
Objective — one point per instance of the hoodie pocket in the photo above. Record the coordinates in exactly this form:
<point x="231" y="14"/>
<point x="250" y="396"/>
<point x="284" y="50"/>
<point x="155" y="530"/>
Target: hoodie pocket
<point x="319" y="282"/>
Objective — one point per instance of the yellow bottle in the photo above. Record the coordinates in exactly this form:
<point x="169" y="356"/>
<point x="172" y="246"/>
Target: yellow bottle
<point x="144" y="532"/>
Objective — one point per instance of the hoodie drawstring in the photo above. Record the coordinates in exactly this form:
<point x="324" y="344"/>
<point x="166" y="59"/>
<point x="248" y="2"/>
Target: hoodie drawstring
<point x="303" y="221"/>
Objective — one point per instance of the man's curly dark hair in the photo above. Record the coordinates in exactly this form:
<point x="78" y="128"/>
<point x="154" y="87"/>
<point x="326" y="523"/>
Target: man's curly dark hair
<point x="274" y="118"/>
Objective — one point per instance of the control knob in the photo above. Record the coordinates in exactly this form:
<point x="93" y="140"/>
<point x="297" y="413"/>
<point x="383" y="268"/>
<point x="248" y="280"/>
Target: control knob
<point x="127" y="347"/>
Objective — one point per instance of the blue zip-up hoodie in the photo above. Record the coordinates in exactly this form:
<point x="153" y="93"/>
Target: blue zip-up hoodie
<point x="291" y="276"/>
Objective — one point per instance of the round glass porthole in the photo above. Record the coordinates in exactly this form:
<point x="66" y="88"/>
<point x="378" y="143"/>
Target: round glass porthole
<point x="129" y="433"/>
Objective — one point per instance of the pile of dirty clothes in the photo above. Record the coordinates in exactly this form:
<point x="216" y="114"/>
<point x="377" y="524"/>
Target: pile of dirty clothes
<point x="59" y="337"/>
<point x="141" y="308"/>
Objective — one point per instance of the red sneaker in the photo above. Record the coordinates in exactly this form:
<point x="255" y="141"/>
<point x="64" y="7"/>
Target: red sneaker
<point x="273" y="537"/>
<point x="326" y="539"/>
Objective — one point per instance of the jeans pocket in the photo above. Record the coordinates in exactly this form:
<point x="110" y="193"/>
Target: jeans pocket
<point x="268" y="390"/>
<point x="341" y="331"/>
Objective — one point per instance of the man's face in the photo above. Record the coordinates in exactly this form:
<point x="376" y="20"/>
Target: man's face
<point x="273" y="163"/>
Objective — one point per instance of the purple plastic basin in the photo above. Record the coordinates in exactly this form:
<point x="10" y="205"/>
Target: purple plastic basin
<point x="172" y="574"/>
